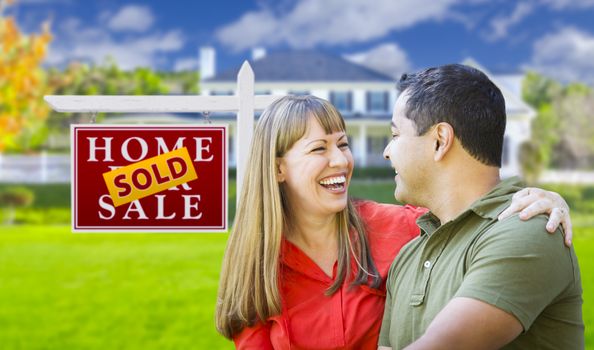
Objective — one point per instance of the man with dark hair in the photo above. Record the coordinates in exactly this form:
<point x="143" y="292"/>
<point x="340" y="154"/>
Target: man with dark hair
<point x="470" y="281"/>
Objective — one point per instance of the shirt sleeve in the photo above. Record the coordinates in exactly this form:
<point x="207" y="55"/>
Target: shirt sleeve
<point x="391" y="219"/>
<point x="388" y="227"/>
<point x="256" y="337"/>
<point x="518" y="267"/>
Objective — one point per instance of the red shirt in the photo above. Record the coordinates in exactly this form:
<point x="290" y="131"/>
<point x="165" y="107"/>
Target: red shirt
<point x="351" y="317"/>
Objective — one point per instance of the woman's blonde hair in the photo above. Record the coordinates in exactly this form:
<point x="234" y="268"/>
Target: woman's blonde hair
<point x="249" y="284"/>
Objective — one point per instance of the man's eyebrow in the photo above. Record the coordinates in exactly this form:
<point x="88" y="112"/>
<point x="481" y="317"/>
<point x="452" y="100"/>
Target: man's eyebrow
<point x="393" y="125"/>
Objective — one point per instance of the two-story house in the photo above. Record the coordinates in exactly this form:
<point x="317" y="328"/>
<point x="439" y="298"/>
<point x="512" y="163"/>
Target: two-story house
<point x="364" y="97"/>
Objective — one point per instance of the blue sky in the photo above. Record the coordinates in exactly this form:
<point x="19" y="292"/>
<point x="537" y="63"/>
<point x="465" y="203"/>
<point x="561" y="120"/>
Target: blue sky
<point x="554" y="37"/>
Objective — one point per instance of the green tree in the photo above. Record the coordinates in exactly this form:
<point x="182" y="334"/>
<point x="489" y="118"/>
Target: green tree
<point x="536" y="154"/>
<point x="104" y="79"/>
<point x="563" y="130"/>
<point x="22" y="85"/>
<point x="576" y="128"/>
<point x="538" y="90"/>
<point x="185" y="82"/>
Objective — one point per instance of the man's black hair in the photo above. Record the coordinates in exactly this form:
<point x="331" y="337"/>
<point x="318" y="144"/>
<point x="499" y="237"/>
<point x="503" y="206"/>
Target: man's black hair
<point x="465" y="98"/>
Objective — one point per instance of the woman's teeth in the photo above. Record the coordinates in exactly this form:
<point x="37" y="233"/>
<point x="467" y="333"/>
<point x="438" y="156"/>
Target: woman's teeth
<point x="333" y="180"/>
<point x="334" y="183"/>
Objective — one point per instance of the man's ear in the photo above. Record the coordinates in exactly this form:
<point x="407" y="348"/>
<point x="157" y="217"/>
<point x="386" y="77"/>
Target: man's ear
<point x="280" y="170"/>
<point x="443" y="139"/>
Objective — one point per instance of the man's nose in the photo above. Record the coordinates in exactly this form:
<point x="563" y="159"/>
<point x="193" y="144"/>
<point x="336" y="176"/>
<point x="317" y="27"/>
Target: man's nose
<point x="387" y="151"/>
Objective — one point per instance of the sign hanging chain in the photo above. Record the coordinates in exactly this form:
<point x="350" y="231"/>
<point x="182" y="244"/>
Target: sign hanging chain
<point x="206" y="115"/>
<point x="93" y="117"/>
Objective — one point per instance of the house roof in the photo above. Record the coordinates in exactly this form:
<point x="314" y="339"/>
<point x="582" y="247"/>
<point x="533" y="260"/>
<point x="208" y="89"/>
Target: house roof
<point x="307" y="66"/>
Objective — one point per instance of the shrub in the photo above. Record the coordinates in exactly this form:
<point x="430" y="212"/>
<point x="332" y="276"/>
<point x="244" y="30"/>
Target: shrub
<point x="16" y="197"/>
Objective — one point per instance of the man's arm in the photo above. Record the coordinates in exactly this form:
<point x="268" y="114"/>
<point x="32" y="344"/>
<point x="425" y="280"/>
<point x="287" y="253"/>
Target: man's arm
<point x="511" y="277"/>
<point x="467" y="323"/>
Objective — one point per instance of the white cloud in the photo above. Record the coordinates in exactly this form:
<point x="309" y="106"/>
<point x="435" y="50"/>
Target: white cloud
<point x="186" y="63"/>
<point x="389" y="59"/>
<point x="313" y="22"/>
<point x="568" y="4"/>
<point x="132" y="18"/>
<point x="76" y="42"/>
<point x="500" y="25"/>
<point x="565" y="55"/>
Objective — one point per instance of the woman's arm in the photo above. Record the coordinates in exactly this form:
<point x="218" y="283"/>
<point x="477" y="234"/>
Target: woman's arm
<point x="532" y="201"/>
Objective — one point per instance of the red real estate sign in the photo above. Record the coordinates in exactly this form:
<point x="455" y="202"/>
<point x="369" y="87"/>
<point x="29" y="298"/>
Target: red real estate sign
<point x="149" y="178"/>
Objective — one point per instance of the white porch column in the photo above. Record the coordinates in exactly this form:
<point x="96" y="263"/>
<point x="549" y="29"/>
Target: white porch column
<point x="514" y="158"/>
<point x="359" y="101"/>
<point x="43" y="165"/>
<point x="362" y="145"/>
<point x="392" y="100"/>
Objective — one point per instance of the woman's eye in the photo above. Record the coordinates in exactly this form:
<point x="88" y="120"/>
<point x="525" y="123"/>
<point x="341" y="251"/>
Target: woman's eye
<point x="394" y="136"/>
<point x="343" y="145"/>
<point x="318" y="149"/>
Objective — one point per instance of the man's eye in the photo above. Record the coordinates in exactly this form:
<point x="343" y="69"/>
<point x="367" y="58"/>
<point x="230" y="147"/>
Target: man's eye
<point x="395" y="136"/>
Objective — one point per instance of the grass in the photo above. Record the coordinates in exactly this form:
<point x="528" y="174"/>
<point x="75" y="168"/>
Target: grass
<point x="64" y="291"/>
<point x="584" y="247"/>
<point x="59" y="290"/>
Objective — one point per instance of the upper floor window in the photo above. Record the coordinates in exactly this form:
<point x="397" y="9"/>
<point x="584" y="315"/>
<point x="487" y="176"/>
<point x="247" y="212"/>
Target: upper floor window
<point x="222" y="93"/>
<point x="377" y="101"/>
<point x="299" y="92"/>
<point x="342" y="100"/>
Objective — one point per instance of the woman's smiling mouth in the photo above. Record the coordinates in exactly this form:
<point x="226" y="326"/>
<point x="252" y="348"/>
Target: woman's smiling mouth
<point x="335" y="183"/>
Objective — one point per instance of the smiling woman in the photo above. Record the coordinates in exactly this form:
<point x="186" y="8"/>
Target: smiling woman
<point x="305" y="265"/>
<point x="315" y="170"/>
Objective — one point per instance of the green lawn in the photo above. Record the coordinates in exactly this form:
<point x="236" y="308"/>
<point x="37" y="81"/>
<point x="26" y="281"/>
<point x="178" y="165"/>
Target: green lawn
<point x="584" y="246"/>
<point x="60" y="290"/>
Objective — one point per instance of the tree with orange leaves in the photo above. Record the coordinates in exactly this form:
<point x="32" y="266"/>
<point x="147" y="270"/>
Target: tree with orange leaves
<point x="22" y="83"/>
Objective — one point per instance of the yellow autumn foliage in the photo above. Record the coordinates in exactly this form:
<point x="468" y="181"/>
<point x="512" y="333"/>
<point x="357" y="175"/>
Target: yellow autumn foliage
<point x="22" y="83"/>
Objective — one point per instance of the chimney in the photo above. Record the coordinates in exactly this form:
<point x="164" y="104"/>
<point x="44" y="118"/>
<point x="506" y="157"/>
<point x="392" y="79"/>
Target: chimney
<point x="207" y="62"/>
<point x="258" y="53"/>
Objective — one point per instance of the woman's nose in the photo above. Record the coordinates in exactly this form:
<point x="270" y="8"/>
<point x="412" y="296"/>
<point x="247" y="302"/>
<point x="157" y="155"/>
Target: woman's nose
<point x="338" y="158"/>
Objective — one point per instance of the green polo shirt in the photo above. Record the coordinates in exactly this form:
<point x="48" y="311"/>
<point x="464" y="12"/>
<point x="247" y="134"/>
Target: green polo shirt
<point x="512" y="264"/>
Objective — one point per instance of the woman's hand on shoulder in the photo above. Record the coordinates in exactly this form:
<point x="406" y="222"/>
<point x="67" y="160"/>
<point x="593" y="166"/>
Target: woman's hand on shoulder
<point x="532" y="201"/>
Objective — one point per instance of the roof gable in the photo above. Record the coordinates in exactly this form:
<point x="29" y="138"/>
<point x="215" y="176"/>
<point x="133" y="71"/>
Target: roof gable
<point x="308" y="66"/>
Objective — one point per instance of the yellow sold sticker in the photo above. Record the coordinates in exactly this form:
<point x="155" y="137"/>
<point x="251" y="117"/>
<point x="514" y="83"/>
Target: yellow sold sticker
<point x="149" y="176"/>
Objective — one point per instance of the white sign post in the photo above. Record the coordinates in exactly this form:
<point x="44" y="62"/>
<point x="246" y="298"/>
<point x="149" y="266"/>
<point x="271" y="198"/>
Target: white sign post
<point x="244" y="103"/>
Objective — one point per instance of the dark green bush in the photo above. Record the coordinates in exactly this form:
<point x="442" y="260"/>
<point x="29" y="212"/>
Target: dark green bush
<point x="16" y="197"/>
<point x="373" y="173"/>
